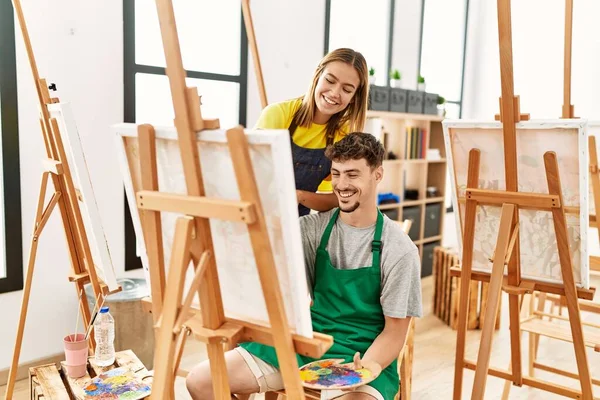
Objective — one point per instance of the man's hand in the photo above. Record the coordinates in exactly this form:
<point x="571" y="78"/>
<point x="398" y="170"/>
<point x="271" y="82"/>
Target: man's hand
<point x="357" y="364"/>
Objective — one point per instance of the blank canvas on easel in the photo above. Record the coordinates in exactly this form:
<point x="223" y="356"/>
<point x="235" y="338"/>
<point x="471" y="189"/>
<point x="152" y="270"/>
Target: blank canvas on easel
<point x="238" y="275"/>
<point x="538" y="251"/>
<point x="81" y="179"/>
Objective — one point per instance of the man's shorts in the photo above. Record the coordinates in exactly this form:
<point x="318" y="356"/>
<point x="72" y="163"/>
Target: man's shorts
<point x="269" y="378"/>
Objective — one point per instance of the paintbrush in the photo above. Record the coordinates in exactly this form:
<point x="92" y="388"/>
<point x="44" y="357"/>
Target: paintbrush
<point x="78" y="311"/>
<point x="89" y="330"/>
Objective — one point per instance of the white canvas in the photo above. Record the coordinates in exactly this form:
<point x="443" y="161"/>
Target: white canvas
<point x="539" y="255"/>
<point x="270" y="153"/>
<point x="82" y="182"/>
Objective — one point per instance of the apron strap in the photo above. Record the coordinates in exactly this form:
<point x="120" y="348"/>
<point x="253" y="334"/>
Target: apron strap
<point x="327" y="233"/>
<point x="376" y="244"/>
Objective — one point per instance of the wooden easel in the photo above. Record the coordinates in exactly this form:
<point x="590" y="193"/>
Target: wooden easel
<point x="174" y="318"/>
<point x="507" y="250"/>
<point x="65" y="196"/>
<point x="539" y="311"/>
<point x="254" y="48"/>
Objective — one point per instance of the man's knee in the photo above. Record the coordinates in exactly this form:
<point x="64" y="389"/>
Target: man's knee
<point x="198" y="382"/>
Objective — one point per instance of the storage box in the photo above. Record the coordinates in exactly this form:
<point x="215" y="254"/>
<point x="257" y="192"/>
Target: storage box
<point x="392" y="213"/>
<point x="430" y="106"/>
<point x="379" y="98"/>
<point x="432" y="220"/>
<point x="398" y="100"/>
<point x="415" y="102"/>
<point x="414" y="214"/>
<point x="427" y="264"/>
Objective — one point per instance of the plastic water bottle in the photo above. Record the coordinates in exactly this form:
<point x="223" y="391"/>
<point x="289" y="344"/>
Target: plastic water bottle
<point x="104" y="333"/>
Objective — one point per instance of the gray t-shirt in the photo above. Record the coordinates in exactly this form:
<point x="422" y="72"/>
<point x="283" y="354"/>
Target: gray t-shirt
<point x="350" y="248"/>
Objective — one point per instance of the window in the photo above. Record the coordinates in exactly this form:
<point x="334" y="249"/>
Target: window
<point x="11" y="248"/>
<point x="443" y="44"/>
<point x="214" y="50"/>
<point x="365" y="29"/>
<point x="442" y="58"/>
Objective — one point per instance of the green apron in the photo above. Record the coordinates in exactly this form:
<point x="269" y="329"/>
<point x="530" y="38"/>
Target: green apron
<point x="346" y="306"/>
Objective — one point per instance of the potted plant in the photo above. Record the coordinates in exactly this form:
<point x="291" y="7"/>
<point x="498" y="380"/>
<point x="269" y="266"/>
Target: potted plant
<point x="441" y="107"/>
<point x="420" y="84"/>
<point x="372" y="76"/>
<point x="395" y="78"/>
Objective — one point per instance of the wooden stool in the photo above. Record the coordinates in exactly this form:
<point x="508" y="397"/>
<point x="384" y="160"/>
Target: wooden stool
<point x="50" y="381"/>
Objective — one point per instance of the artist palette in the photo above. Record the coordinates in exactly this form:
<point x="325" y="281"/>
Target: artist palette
<point x="331" y="374"/>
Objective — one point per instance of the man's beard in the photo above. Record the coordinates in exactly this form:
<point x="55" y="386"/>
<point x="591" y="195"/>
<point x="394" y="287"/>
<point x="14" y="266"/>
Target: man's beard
<point x="351" y="209"/>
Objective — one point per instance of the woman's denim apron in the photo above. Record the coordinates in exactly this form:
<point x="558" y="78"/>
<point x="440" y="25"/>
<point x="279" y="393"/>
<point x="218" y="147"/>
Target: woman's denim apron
<point x="310" y="168"/>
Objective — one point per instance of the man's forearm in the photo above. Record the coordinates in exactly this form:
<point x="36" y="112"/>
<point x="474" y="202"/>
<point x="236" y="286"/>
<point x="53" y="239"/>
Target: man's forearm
<point x="387" y="346"/>
<point x="317" y="201"/>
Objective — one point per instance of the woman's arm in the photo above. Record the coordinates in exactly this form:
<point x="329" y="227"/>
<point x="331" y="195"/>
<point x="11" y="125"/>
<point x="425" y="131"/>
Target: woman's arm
<point x="317" y="201"/>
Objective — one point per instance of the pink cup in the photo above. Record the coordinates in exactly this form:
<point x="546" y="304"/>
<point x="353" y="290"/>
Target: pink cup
<point x="76" y="354"/>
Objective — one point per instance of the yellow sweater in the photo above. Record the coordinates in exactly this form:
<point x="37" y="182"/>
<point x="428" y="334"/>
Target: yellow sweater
<point x="279" y="116"/>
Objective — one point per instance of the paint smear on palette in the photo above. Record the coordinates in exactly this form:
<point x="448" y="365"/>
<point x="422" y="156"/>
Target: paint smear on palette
<point x="118" y="384"/>
<point x="330" y="374"/>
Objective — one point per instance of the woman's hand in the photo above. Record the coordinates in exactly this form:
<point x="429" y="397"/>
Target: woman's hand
<point x="317" y="201"/>
<point x="300" y="196"/>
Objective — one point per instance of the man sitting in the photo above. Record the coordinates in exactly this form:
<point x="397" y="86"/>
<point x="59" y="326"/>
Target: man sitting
<point x="365" y="279"/>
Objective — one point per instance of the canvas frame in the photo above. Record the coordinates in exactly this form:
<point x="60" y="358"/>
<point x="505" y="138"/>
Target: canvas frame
<point x="578" y="127"/>
<point x="90" y="212"/>
<point x="292" y="276"/>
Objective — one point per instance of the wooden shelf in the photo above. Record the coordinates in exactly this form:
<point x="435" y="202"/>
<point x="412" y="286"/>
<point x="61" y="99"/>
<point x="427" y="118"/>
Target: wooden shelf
<point x="411" y="161"/>
<point x="408" y="203"/>
<point x="399" y="132"/>
<point x="435" y="200"/>
<point x="431" y="239"/>
<point x="404" y="116"/>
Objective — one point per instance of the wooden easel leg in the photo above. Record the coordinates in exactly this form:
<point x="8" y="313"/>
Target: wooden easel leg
<point x="595" y="178"/>
<point x="181" y="339"/>
<point x="152" y="225"/>
<point x="259" y="237"/>
<point x="40" y="220"/>
<point x="494" y="294"/>
<point x="164" y="356"/>
<point x="406" y="366"/>
<point x="564" y="253"/>
<point x="465" y="278"/>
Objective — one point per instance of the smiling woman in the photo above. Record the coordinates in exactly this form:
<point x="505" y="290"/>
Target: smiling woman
<point x="335" y="104"/>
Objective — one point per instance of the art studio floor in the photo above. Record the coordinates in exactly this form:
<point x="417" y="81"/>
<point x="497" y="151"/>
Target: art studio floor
<point x="433" y="372"/>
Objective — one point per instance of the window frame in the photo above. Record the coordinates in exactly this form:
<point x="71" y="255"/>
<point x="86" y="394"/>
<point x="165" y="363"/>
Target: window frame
<point x="132" y="261"/>
<point x="13" y="235"/>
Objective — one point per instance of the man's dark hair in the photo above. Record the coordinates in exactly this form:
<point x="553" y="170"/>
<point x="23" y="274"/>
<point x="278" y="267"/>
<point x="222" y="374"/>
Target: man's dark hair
<point x="355" y="146"/>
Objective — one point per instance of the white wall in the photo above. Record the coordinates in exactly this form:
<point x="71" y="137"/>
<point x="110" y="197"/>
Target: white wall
<point x="538" y="51"/>
<point x="79" y="46"/>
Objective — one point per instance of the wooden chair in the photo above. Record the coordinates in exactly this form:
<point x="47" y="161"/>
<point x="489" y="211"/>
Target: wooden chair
<point x="553" y="324"/>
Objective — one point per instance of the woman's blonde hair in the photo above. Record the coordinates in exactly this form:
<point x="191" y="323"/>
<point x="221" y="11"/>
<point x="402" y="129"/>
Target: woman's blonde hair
<point x="356" y="112"/>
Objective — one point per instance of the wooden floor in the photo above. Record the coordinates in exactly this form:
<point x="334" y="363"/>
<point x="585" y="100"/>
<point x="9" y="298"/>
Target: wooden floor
<point x="434" y="359"/>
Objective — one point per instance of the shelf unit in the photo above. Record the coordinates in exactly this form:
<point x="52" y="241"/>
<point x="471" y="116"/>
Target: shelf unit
<point x="427" y="213"/>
